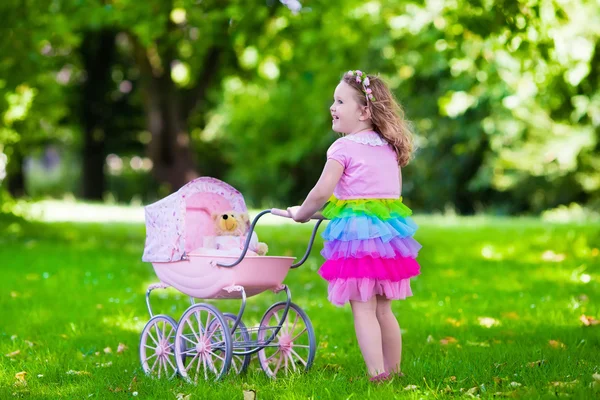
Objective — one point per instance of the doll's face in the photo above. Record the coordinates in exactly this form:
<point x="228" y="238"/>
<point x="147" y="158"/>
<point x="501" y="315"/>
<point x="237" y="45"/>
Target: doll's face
<point x="230" y="223"/>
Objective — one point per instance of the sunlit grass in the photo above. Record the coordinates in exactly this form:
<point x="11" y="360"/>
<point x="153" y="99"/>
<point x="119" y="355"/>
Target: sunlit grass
<point x="494" y="296"/>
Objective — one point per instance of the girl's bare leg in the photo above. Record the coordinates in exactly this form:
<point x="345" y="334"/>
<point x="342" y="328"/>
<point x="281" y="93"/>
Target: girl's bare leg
<point x="391" y="338"/>
<point x="368" y="334"/>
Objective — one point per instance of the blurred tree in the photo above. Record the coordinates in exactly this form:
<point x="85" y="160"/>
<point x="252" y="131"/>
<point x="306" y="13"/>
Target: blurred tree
<point x="506" y="110"/>
<point x="504" y="95"/>
<point x="98" y="51"/>
<point x="182" y="51"/>
<point x="32" y="97"/>
<point x="176" y="50"/>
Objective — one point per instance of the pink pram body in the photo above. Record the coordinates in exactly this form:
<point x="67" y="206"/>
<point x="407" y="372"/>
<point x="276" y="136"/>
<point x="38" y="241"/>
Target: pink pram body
<point x="176" y="227"/>
<point x="205" y="343"/>
<point x="200" y="277"/>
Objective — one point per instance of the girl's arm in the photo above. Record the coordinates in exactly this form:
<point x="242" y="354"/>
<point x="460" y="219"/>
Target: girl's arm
<point x="319" y="195"/>
<point x="400" y="175"/>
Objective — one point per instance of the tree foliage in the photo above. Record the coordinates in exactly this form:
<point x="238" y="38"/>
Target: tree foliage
<point x="503" y="95"/>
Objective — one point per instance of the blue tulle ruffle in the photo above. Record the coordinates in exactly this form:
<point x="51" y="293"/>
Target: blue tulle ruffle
<point x="364" y="227"/>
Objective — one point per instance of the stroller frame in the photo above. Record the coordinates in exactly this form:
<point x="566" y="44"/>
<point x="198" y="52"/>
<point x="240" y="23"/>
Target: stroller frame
<point x="225" y="336"/>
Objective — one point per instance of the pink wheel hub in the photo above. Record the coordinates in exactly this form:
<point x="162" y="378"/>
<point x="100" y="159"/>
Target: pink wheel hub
<point x="162" y="349"/>
<point x="285" y="343"/>
<point x="203" y="348"/>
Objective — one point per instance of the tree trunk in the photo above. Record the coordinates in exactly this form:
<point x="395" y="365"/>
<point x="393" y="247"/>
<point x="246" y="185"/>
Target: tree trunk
<point x="169" y="148"/>
<point x="15" y="177"/>
<point x="98" y="53"/>
<point x="167" y="110"/>
<point x="465" y="199"/>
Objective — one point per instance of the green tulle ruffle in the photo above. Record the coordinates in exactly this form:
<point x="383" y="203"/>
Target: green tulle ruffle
<point x="380" y="208"/>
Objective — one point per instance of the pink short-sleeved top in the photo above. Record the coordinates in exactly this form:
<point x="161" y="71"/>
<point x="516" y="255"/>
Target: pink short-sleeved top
<point x="370" y="167"/>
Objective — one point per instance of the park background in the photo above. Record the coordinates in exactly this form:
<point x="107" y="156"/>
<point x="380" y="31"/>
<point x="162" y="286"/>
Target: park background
<point x="110" y="105"/>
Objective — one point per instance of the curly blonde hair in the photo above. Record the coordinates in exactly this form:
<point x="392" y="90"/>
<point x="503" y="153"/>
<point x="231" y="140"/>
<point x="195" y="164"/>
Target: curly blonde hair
<point x="387" y="115"/>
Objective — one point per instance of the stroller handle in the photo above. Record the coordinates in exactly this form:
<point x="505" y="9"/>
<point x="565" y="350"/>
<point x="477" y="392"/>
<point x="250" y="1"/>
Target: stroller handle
<point x="318" y="217"/>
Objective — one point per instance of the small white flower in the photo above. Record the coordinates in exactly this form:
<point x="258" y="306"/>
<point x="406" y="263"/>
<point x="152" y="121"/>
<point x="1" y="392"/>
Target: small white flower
<point x="134" y="394"/>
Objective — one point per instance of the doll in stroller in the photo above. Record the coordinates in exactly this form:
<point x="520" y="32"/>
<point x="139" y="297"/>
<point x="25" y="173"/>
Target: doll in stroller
<point x="206" y="343"/>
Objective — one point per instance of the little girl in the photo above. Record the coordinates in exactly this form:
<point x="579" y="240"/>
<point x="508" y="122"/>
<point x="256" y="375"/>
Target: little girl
<point x="369" y="250"/>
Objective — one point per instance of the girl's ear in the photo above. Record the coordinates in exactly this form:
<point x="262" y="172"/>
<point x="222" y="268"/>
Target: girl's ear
<point x="365" y="113"/>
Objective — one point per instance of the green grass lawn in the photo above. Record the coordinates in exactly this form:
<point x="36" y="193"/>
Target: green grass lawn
<point x="496" y="312"/>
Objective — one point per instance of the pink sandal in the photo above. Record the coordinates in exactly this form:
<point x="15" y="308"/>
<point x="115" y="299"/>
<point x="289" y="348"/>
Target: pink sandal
<point x="384" y="376"/>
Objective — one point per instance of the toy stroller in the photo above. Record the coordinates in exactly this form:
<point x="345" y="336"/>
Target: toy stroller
<point x="205" y="343"/>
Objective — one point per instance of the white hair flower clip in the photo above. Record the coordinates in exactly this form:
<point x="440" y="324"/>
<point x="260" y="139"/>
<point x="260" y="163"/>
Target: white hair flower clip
<point x="362" y="78"/>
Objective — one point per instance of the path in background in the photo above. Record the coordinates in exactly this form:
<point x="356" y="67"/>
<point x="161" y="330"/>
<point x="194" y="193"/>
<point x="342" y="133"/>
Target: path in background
<point x="69" y="211"/>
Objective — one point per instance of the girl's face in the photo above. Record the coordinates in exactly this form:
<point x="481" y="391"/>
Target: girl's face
<point x="347" y="114"/>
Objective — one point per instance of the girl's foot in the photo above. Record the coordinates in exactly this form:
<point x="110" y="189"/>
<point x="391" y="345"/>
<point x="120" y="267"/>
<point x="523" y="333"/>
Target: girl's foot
<point x="384" y="376"/>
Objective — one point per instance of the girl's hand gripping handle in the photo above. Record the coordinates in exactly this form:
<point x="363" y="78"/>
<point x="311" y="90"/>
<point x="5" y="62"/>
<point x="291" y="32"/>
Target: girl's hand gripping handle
<point x="281" y="213"/>
<point x="286" y="214"/>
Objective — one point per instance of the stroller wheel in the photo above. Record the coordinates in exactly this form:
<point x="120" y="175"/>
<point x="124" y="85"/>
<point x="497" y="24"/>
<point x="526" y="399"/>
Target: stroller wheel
<point x="241" y="339"/>
<point x="203" y="345"/>
<point x="293" y="348"/>
<point x="157" y="343"/>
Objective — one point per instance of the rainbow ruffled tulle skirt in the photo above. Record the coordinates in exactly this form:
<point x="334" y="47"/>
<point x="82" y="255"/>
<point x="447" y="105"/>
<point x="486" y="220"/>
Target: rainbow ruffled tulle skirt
<point x="369" y="249"/>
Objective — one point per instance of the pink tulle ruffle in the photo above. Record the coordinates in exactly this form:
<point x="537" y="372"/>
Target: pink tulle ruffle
<point x="375" y="248"/>
<point x="343" y="290"/>
<point x="392" y="269"/>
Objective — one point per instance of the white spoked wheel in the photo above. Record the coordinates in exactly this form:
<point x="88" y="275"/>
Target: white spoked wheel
<point x="157" y="345"/>
<point x="203" y="346"/>
<point x="293" y="348"/>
